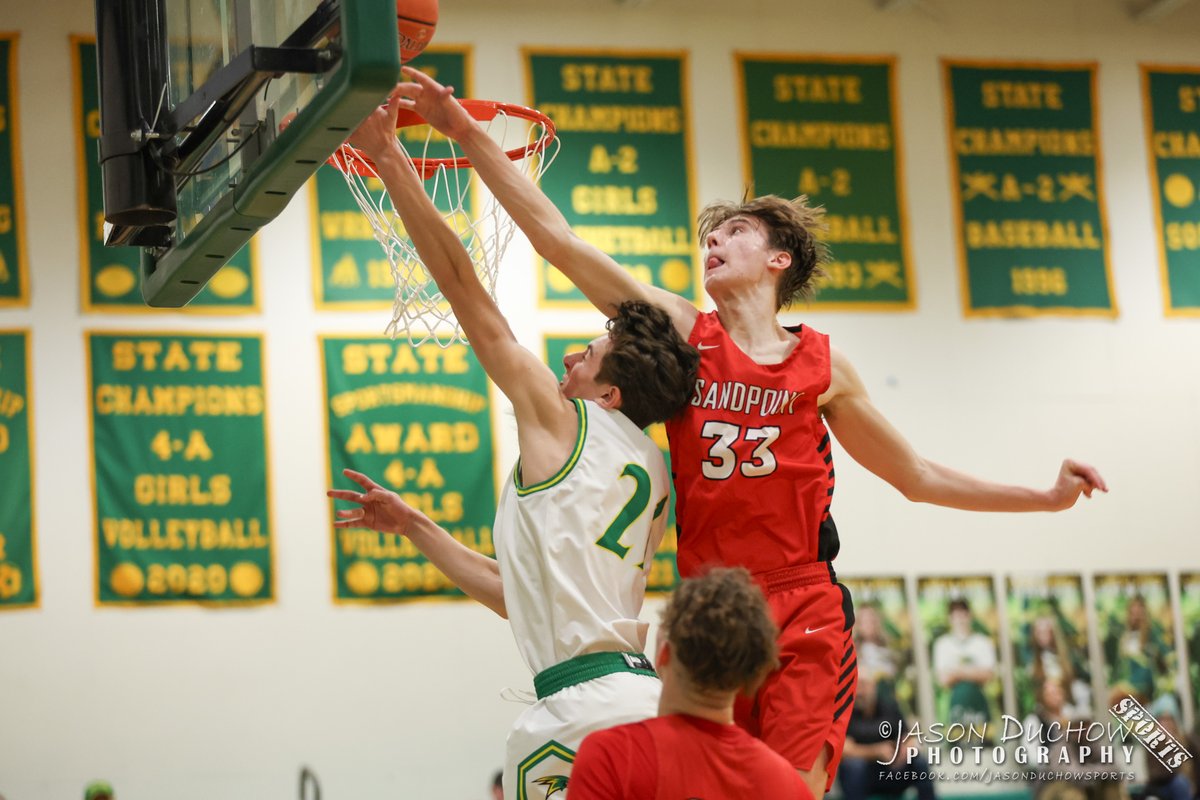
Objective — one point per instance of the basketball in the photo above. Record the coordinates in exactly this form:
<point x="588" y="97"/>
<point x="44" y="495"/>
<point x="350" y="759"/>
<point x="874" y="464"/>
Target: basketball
<point x="416" y="21"/>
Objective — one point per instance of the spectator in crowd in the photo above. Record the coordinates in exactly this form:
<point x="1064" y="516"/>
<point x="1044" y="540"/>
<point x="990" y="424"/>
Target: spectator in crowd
<point x="1163" y="783"/>
<point x="874" y="762"/>
<point x="498" y="785"/>
<point x="98" y="790"/>
<point x="964" y="661"/>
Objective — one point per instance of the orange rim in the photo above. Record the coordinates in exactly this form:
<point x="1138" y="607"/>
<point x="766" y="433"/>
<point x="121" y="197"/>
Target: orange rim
<point x="349" y="158"/>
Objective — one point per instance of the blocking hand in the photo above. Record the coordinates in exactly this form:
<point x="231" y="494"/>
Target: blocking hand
<point x="435" y="103"/>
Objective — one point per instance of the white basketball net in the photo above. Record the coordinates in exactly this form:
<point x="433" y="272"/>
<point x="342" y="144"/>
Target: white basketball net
<point x="420" y="312"/>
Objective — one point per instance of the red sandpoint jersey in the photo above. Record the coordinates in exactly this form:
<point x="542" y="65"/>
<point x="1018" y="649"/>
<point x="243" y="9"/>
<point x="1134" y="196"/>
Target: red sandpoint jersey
<point x="751" y="457"/>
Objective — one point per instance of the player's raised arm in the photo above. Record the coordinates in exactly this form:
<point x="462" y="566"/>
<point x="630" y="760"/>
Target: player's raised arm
<point x="873" y="442"/>
<point x="523" y="378"/>
<point x="383" y="510"/>
<point x="605" y="282"/>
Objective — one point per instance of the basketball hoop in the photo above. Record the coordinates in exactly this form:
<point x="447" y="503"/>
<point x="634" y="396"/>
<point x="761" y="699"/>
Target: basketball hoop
<point x="420" y="311"/>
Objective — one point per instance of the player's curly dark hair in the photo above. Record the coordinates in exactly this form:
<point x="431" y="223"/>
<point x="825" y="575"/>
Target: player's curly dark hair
<point x="721" y="630"/>
<point x="650" y="363"/>
<point x="793" y="226"/>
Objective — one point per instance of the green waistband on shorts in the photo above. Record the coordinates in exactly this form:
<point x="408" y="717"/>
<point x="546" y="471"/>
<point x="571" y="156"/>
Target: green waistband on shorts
<point x="589" y="667"/>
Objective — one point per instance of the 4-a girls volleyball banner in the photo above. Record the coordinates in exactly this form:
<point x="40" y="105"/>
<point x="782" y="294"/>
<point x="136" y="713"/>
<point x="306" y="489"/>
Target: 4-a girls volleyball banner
<point x="826" y="128"/>
<point x="883" y="639"/>
<point x="1172" y="103"/>
<point x="1189" y="600"/>
<point x="350" y="269"/>
<point x="417" y="421"/>
<point x="18" y="561"/>
<point x="110" y="277"/>
<point x="623" y="178"/>
<point x="1048" y="628"/>
<point x="180" y="473"/>
<point x="664" y="575"/>
<point x="961" y="622"/>
<point x="1025" y="156"/>
<point x="1136" y="627"/>
<point x="14" y="272"/>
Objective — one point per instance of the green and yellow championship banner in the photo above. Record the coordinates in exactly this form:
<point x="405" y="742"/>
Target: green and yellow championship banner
<point x="110" y="277"/>
<point x="623" y="178"/>
<point x="350" y="269"/>
<point x="18" y="550"/>
<point x="826" y="128"/>
<point x="14" y="271"/>
<point x="1172" y="103"/>
<point x="664" y="575"/>
<point x="417" y="421"/>
<point x="179" y="451"/>
<point x="1025" y="157"/>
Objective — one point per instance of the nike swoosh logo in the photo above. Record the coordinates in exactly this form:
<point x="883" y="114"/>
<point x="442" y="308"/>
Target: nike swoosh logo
<point x="814" y="630"/>
<point x="707" y="346"/>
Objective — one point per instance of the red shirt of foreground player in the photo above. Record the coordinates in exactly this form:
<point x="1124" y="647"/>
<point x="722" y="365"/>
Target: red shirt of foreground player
<point x="717" y="639"/>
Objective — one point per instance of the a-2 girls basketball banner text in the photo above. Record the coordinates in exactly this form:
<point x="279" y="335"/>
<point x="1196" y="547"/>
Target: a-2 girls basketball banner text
<point x="1025" y="157"/>
<point x="350" y="270"/>
<point x="110" y="277"/>
<point x="18" y="560"/>
<point x="14" y="271"/>
<point x="623" y="178"/>
<point x="179" y="450"/>
<point x="826" y="128"/>
<point x="417" y="421"/>
<point x="1172" y="108"/>
<point x="664" y="575"/>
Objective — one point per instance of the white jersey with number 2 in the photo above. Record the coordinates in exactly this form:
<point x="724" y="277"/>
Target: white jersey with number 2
<point x="574" y="550"/>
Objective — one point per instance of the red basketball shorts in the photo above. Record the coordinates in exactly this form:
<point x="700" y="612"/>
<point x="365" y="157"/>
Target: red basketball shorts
<point x="804" y="706"/>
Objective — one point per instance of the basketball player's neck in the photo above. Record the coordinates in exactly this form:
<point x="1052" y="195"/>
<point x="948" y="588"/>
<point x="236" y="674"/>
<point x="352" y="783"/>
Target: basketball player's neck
<point x="680" y="696"/>
<point x="749" y="319"/>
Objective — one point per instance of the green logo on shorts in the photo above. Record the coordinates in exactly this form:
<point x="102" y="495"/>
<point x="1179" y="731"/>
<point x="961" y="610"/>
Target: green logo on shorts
<point x="547" y="769"/>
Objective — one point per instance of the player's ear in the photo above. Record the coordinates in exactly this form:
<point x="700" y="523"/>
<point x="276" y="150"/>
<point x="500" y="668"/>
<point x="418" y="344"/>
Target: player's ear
<point x="610" y="399"/>
<point x="664" y="655"/>
<point x="779" y="259"/>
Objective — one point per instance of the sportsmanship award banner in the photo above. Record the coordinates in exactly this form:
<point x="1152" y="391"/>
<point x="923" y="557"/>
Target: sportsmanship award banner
<point x="623" y="176"/>
<point x="1047" y="624"/>
<point x="417" y="421"/>
<point x="664" y="575"/>
<point x="180" y="468"/>
<point x="826" y="128"/>
<point x="18" y="553"/>
<point x="110" y="277"/>
<point x="1026" y="166"/>
<point x="350" y="270"/>
<point x="14" y="274"/>
<point x="1137" y="633"/>
<point x="1172" y="101"/>
<point x="962" y="623"/>
<point x="883" y="639"/>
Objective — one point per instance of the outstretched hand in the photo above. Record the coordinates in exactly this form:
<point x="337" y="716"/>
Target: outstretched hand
<point x="434" y="102"/>
<point x="1075" y="479"/>
<point x="379" y="509"/>
<point x="377" y="133"/>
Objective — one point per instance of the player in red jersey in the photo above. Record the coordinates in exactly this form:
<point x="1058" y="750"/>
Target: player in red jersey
<point x="717" y="639"/>
<point x="754" y="479"/>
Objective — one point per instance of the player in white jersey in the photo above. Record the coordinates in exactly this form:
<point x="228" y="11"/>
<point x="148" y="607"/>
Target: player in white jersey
<point x="583" y="511"/>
